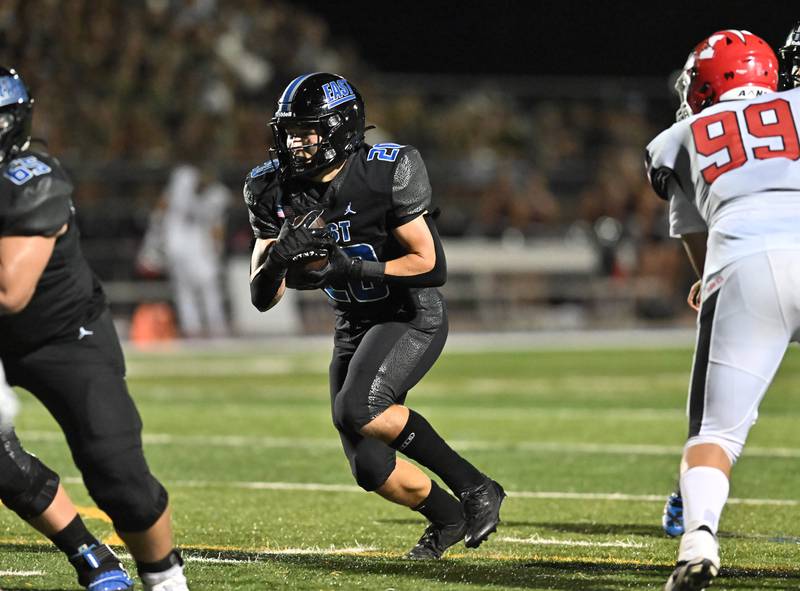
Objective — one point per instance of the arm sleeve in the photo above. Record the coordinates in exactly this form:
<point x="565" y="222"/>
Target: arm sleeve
<point x="40" y="208"/>
<point x="684" y="218"/>
<point x="411" y="189"/>
<point x="265" y="285"/>
<point x="661" y="160"/>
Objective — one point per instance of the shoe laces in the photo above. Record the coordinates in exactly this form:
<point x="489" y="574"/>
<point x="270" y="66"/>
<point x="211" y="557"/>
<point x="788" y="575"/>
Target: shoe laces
<point x="430" y="537"/>
<point x="475" y="499"/>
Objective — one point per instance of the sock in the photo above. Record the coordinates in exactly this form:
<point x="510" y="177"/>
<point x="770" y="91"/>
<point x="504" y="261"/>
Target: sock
<point x="705" y="491"/>
<point x="154" y="573"/>
<point x="439" y="507"/>
<point x="421" y="443"/>
<point x="72" y="537"/>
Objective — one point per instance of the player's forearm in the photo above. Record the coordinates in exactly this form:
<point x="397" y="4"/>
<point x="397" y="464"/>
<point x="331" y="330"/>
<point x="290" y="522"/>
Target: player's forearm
<point x="423" y="266"/>
<point x="267" y="279"/>
<point x="695" y="245"/>
<point x="410" y="264"/>
<point x="267" y="286"/>
<point x="409" y="270"/>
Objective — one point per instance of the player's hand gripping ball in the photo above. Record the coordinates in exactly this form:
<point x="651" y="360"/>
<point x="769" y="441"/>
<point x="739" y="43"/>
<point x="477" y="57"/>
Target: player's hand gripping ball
<point x="313" y="259"/>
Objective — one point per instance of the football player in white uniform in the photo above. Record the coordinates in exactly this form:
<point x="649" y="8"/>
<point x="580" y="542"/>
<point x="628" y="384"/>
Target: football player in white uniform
<point x="731" y="174"/>
<point x="788" y="78"/>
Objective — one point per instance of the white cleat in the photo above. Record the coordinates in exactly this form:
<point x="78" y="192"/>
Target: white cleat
<point x="175" y="581"/>
<point x="698" y="562"/>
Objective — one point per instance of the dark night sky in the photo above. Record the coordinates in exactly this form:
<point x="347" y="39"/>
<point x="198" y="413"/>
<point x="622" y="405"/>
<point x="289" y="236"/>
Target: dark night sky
<point x="543" y="37"/>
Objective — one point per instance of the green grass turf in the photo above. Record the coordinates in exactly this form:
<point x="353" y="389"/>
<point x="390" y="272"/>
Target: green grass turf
<point x="538" y="421"/>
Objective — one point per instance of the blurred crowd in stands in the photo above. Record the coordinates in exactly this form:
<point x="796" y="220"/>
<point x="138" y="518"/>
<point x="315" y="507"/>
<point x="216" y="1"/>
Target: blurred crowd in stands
<point x="128" y="91"/>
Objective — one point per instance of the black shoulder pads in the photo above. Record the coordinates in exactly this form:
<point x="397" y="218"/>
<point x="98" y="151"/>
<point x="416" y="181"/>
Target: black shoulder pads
<point x="39" y="208"/>
<point x="261" y="176"/>
<point x="259" y="192"/>
<point x="411" y="188"/>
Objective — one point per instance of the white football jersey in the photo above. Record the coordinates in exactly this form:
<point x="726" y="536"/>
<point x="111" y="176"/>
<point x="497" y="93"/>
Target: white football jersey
<point x="733" y="170"/>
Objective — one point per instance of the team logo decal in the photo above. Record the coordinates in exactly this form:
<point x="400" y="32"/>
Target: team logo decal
<point x="338" y="92"/>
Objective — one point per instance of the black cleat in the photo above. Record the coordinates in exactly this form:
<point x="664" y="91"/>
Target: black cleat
<point x="99" y="569"/>
<point x="482" y="510"/>
<point x="694" y="575"/>
<point x="437" y="539"/>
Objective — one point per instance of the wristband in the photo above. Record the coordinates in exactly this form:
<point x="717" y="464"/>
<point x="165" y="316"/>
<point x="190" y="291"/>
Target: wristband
<point x="361" y="269"/>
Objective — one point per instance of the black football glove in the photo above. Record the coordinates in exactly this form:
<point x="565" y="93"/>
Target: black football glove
<point x="339" y="269"/>
<point x="298" y="241"/>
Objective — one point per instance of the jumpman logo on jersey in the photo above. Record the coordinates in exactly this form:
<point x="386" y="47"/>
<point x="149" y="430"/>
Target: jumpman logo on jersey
<point x="82" y="332"/>
<point x="349" y="210"/>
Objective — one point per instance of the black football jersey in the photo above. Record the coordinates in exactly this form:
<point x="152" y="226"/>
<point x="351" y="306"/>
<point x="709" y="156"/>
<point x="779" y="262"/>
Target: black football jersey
<point x="36" y="200"/>
<point x="380" y="188"/>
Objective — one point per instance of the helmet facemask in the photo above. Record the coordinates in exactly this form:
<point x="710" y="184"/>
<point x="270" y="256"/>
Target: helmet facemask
<point x="789" y="58"/>
<point x="682" y="89"/>
<point x="304" y="146"/>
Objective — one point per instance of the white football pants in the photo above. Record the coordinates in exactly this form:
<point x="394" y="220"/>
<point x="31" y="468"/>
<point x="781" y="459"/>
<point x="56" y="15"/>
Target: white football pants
<point x="750" y="312"/>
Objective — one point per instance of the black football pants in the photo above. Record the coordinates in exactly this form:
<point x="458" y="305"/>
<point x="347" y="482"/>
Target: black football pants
<point x="81" y="382"/>
<point x="373" y="367"/>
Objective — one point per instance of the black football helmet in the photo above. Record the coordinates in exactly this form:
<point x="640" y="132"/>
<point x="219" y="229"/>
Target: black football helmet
<point x="326" y="104"/>
<point x="16" y="111"/>
<point x="789" y="59"/>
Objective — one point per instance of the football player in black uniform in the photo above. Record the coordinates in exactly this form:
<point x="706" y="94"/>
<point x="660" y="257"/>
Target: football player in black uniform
<point x="57" y="340"/>
<point x="789" y="60"/>
<point x="384" y="262"/>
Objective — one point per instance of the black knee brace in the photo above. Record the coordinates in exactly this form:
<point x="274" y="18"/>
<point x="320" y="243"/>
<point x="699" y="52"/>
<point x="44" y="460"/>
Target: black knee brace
<point x="27" y="486"/>
<point x="121" y="484"/>
<point x="372" y="463"/>
<point x="352" y="410"/>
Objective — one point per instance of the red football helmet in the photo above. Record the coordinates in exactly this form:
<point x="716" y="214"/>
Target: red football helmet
<point x="728" y="65"/>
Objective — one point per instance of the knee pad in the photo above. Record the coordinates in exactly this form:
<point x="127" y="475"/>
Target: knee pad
<point x="730" y="445"/>
<point x="27" y="486"/>
<point x="350" y="412"/>
<point x="372" y="463"/>
<point x="121" y="484"/>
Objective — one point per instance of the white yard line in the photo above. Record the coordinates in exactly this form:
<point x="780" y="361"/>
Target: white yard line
<point x="330" y="443"/>
<point x="555" y="340"/>
<point x="189" y="557"/>
<point x="537" y="541"/>
<point x="523" y="494"/>
<point x="21" y="573"/>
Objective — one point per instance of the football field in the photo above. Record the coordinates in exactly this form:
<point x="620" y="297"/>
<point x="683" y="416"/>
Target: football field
<point x="586" y="442"/>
